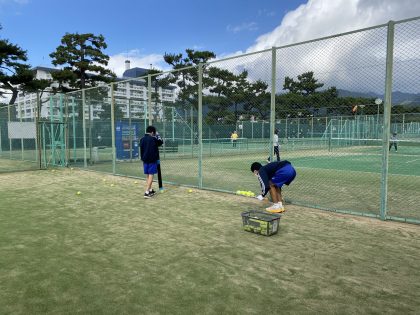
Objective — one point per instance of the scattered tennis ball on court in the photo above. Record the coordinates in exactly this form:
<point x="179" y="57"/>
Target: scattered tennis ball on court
<point x="190" y="190"/>
<point x="104" y="179"/>
<point x="79" y="193"/>
<point x="71" y="168"/>
<point x="136" y="182"/>
<point x="112" y="185"/>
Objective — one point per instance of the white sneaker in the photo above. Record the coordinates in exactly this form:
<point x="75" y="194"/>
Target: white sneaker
<point x="276" y="208"/>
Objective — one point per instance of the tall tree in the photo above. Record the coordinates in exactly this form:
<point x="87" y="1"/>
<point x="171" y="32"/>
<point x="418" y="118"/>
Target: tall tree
<point x="187" y="79"/>
<point x="84" y="61"/>
<point x="15" y="74"/>
<point x="305" y="85"/>
<point x="84" y="66"/>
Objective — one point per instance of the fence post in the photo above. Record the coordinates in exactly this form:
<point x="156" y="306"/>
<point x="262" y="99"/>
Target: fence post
<point x="130" y="132"/>
<point x="173" y="124"/>
<point x="21" y="139"/>
<point x="200" y="125"/>
<point x="8" y="124"/>
<point x="52" y="131"/>
<point x="273" y="100"/>
<point x="84" y="128"/>
<point x="74" y="129"/>
<point x="38" y="138"/>
<point x="113" y="128"/>
<point x="387" y="119"/>
<point x="149" y="98"/>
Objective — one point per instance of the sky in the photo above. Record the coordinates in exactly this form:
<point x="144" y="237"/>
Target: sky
<point x="142" y="31"/>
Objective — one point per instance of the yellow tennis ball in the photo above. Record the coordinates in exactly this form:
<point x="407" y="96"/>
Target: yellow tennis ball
<point x="190" y="190"/>
<point x="112" y="185"/>
<point x="136" y="182"/>
<point x="79" y="193"/>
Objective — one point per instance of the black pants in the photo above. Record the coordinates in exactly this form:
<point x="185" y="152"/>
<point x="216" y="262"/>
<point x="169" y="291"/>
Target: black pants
<point x="277" y="152"/>
<point x="234" y="143"/>
<point x="393" y="144"/>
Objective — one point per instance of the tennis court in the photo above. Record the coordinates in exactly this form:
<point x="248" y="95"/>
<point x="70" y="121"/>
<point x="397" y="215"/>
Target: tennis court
<point x="109" y="251"/>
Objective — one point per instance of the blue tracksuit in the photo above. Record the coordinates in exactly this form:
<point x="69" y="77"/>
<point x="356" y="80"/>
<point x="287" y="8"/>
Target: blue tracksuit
<point x="149" y="150"/>
<point x="279" y="173"/>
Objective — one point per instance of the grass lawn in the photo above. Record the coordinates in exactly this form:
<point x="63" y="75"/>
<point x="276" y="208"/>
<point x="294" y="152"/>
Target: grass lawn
<point x="109" y="251"/>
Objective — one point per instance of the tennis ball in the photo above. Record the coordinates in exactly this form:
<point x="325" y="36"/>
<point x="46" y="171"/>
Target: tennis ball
<point x="190" y="190"/>
<point x="136" y="182"/>
<point x="112" y="185"/>
<point x="104" y="179"/>
<point x="71" y="168"/>
<point x="79" y="193"/>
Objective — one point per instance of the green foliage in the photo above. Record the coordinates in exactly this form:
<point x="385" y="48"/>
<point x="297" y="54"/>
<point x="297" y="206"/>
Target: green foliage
<point x="83" y="60"/>
<point x="305" y="85"/>
<point x="14" y="72"/>
<point x="187" y="79"/>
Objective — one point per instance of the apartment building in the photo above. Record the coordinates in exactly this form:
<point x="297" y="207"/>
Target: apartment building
<point x="130" y="96"/>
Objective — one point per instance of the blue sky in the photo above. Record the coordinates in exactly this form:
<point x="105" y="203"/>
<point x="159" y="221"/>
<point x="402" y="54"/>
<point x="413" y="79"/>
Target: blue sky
<point x="146" y="27"/>
<point x="142" y="31"/>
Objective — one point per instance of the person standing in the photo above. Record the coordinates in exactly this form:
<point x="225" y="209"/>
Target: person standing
<point x="234" y="138"/>
<point x="149" y="151"/>
<point x="393" y="142"/>
<point x="276" y="145"/>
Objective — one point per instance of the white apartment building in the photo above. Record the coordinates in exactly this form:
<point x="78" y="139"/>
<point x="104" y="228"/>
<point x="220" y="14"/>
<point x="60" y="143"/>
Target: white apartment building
<point x="26" y="102"/>
<point x="130" y="94"/>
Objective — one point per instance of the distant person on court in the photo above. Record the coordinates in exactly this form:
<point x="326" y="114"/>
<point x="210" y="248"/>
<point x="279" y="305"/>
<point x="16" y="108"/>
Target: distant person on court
<point x="149" y="151"/>
<point x="234" y="138"/>
<point x="272" y="177"/>
<point x="393" y="142"/>
<point x="276" y="145"/>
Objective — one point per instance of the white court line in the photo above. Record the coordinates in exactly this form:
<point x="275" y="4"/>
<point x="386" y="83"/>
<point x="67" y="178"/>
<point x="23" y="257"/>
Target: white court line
<point x="412" y="161"/>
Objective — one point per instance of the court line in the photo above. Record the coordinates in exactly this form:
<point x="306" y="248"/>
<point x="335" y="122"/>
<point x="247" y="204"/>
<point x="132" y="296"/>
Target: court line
<point x="412" y="161"/>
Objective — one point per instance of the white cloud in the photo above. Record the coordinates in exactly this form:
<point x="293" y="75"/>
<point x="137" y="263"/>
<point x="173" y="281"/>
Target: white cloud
<point x="251" y="26"/>
<point x="117" y="62"/>
<point x="320" y="18"/>
<point x="355" y="61"/>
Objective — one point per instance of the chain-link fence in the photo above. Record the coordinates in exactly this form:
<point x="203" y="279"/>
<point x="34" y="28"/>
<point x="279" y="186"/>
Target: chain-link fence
<point x="336" y="103"/>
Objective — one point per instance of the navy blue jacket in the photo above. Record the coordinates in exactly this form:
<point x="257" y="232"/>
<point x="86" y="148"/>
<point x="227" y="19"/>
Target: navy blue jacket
<point x="267" y="172"/>
<point x="149" y="150"/>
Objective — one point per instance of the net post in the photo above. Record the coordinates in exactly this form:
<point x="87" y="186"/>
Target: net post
<point x="387" y="119"/>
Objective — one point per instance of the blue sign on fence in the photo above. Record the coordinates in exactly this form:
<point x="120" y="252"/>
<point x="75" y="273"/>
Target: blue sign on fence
<point x="123" y="133"/>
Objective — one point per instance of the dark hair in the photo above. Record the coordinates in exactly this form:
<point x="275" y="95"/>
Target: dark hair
<point x="150" y="129"/>
<point x="255" y="166"/>
<point x="394" y="133"/>
<point x="276" y="131"/>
